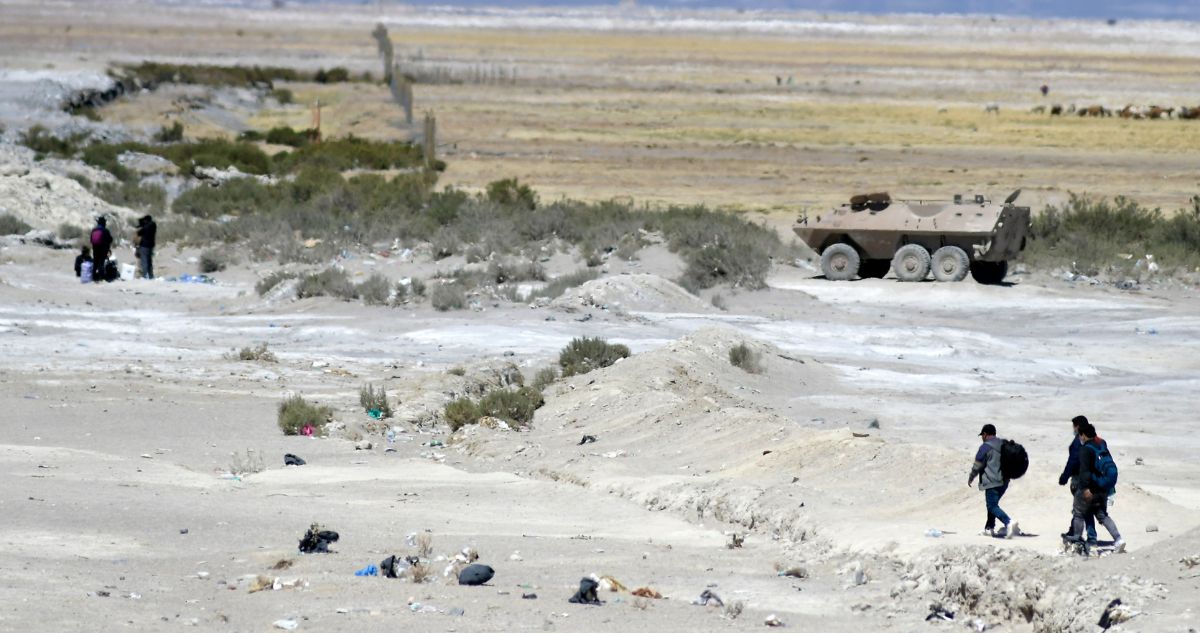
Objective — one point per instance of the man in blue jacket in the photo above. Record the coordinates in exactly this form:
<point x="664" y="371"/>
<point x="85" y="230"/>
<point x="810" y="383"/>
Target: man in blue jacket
<point x="1070" y="473"/>
<point x="992" y="483"/>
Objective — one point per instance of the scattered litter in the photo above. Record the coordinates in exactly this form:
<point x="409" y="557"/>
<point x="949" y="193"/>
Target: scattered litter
<point x="456" y="611"/>
<point x="938" y="612"/>
<point x="292" y="460"/>
<point x="529" y="596"/>
<point x="369" y="570"/>
<point x="475" y="575"/>
<point x="183" y="531"/>
<point x="316" y="540"/>
<point x="375" y="413"/>
<point x="794" y="572"/>
<point x="287" y="625"/>
<point x="647" y="592"/>
<point x="192" y="279"/>
<point x="586" y="593"/>
<point x="773" y="620"/>
<point x="363" y="445"/>
<point x="202" y="574"/>
<point x="708" y="599"/>
<point x="978" y="624"/>
<point x="933" y="533"/>
<point x="735" y="541"/>
<point x="515" y="557"/>
<point x="417" y="607"/>
<point x="587" y="439"/>
<point x="1152" y="528"/>
<point x="608" y="583"/>
<point x="1139" y="462"/>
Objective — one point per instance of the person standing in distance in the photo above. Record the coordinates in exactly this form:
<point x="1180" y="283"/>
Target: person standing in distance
<point x="146" y="232"/>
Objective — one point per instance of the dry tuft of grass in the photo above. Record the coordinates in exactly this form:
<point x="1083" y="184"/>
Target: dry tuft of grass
<point x="260" y="354"/>
<point x="424" y="545"/>
<point x="746" y="359"/>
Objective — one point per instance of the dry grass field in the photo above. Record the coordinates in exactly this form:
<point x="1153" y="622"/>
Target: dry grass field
<point x="672" y="115"/>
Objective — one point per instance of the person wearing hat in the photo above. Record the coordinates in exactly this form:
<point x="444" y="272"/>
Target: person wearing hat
<point x="992" y="483"/>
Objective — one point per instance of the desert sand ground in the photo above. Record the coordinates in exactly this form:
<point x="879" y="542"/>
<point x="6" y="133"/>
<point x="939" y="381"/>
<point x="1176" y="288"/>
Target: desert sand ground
<point x="124" y="408"/>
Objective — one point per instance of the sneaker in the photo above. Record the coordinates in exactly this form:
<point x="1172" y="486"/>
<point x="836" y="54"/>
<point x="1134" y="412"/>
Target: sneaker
<point x="987" y="533"/>
<point x="1001" y="533"/>
<point x="1119" y="546"/>
<point x="1013" y="529"/>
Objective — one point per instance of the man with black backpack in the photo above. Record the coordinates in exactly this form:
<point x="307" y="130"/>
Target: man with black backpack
<point x="993" y="482"/>
<point x="1097" y="478"/>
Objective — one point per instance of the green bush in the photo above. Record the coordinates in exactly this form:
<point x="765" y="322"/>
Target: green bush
<point x="132" y="194"/>
<point x="746" y="359"/>
<point x="740" y="264"/>
<point x="268" y="283"/>
<point x="173" y="134"/>
<point x="562" y="283"/>
<point x="283" y="96"/>
<point x="510" y="192"/>
<point x="251" y="136"/>
<point x="12" y="225"/>
<point x="68" y="231"/>
<point x="448" y="296"/>
<point x="233" y="197"/>
<point x="287" y="136"/>
<point x="545" y="377"/>
<point x="343" y="154"/>
<point x="43" y="143"/>
<point x="372" y="400"/>
<point x="1090" y="234"/>
<point x="334" y="75"/>
<point x="515" y="406"/>
<point x="331" y="282"/>
<point x="218" y="153"/>
<point x="295" y="413"/>
<point x="375" y="290"/>
<point x="582" y="355"/>
<point x="460" y="413"/>
<point x="152" y="73"/>
<point x="512" y="271"/>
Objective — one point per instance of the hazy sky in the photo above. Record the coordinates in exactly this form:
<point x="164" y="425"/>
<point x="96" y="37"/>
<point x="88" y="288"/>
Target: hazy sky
<point x="1091" y="9"/>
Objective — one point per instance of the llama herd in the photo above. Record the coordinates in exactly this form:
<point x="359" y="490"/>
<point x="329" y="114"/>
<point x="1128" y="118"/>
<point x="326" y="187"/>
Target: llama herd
<point x="1128" y="112"/>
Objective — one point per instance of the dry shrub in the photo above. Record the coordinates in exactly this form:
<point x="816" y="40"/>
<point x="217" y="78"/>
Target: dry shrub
<point x="448" y="296"/>
<point x="246" y="464"/>
<point x="268" y="283"/>
<point x="419" y="573"/>
<point x="746" y="359"/>
<point x="213" y="260"/>
<point x="260" y="353"/>
<point x="424" y="543"/>
<point x="331" y="282"/>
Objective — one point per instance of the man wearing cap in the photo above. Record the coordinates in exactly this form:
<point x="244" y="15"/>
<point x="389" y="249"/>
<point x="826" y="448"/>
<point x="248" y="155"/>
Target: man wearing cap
<point x="992" y="483"/>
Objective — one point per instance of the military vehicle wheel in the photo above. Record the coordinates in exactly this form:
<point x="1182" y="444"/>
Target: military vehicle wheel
<point x="950" y="263"/>
<point x="873" y="268"/>
<point x="911" y="263"/>
<point x="839" y="262"/>
<point x="989" y="272"/>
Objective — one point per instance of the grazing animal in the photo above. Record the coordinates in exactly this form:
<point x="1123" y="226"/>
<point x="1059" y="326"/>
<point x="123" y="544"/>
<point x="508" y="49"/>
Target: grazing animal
<point x="1038" y="109"/>
<point x="992" y="108"/>
<point x="1056" y="109"/>
<point x="1189" y="114"/>
<point x="1157" y="112"/>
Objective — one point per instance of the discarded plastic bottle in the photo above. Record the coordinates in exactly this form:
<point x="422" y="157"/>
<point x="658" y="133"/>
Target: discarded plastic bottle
<point x="391" y="435"/>
<point x="933" y="533"/>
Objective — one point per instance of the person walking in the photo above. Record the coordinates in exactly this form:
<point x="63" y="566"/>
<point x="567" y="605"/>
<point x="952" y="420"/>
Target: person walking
<point x="1070" y="473"/>
<point x="1091" y="496"/>
<point x="146" y="232"/>
<point x="101" y="245"/>
<point x="992" y="483"/>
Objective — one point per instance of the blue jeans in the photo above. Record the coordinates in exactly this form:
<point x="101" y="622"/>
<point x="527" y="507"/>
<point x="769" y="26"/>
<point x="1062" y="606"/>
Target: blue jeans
<point x="992" y="497"/>
<point x="146" y="258"/>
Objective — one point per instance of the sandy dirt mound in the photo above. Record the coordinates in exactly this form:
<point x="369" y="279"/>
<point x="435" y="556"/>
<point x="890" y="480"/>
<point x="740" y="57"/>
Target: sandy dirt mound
<point x="631" y="293"/>
<point x="44" y="199"/>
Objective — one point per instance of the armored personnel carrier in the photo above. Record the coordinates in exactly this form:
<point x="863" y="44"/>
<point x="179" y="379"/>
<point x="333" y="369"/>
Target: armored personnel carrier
<point x="913" y="238"/>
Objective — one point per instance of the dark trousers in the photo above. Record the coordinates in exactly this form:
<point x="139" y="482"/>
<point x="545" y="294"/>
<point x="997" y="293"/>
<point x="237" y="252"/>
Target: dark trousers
<point x="992" y="498"/>
<point x="145" y="255"/>
<point x="1089" y="521"/>
<point x="1097" y="508"/>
